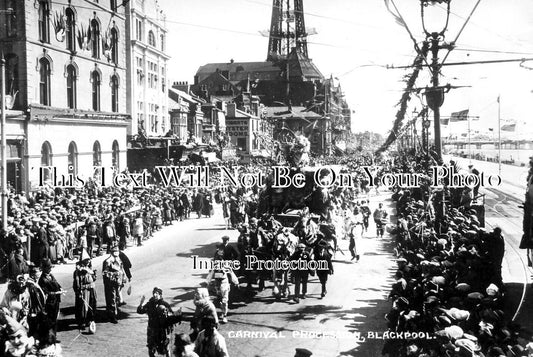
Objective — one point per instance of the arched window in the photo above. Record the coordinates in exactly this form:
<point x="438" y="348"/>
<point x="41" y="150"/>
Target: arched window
<point x="162" y="42"/>
<point x="71" y="86"/>
<point x="151" y="38"/>
<point x="97" y="154"/>
<point x="12" y="75"/>
<point x="44" y="81"/>
<point x="46" y="159"/>
<point x="114" y="94"/>
<point x="95" y="79"/>
<point x="116" y="155"/>
<point x="114" y="45"/>
<point x="72" y="158"/>
<point x="95" y="39"/>
<point x="70" y="29"/>
<point x="44" y="21"/>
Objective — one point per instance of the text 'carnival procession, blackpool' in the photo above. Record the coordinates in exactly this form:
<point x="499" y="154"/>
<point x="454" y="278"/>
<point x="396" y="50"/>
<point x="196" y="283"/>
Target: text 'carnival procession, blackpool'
<point x="251" y="212"/>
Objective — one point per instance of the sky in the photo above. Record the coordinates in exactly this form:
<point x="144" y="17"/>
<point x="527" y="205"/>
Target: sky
<point x="357" y="39"/>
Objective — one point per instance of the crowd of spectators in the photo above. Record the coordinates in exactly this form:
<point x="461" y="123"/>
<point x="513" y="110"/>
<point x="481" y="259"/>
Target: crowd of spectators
<point x="448" y="282"/>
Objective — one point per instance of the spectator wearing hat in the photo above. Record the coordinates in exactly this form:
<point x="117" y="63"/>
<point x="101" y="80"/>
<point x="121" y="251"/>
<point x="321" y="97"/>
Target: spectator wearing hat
<point x="300" y="275"/>
<point x="84" y="279"/>
<point x="114" y="278"/>
<point x="52" y="290"/>
<point x="17" y="263"/>
<point x="161" y="319"/>
<point x="210" y="343"/>
<point x="229" y="252"/>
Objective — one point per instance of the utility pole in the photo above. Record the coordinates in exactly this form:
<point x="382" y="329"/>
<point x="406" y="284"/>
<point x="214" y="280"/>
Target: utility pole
<point x="437" y="93"/>
<point x="3" y="142"/>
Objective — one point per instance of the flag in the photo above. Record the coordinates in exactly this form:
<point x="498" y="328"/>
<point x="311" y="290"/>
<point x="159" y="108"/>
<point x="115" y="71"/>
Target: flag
<point x="445" y="121"/>
<point x="397" y="18"/>
<point x="509" y="127"/>
<point x="498" y="99"/>
<point x="459" y="116"/>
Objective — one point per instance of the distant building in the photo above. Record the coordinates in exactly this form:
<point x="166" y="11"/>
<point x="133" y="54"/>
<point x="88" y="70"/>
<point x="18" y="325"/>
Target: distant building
<point x="66" y="77"/>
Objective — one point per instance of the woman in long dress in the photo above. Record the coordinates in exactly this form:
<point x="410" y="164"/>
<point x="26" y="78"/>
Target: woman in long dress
<point x="85" y="290"/>
<point x="356" y="233"/>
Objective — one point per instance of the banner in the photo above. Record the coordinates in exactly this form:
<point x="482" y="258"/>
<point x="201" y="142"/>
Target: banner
<point x="459" y="116"/>
<point x="445" y="121"/>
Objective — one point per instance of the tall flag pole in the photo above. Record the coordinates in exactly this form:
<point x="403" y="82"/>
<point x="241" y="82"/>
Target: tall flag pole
<point x="499" y="139"/>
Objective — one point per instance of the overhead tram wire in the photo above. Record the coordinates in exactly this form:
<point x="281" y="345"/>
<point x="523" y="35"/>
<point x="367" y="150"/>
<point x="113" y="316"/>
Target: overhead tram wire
<point x="510" y="39"/>
<point x="491" y="51"/>
<point x="460" y="31"/>
<point x="467" y="63"/>
<point x="316" y="15"/>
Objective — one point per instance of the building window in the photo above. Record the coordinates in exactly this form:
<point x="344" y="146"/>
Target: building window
<point x="70" y="30"/>
<point x="46" y="158"/>
<point x="140" y="71"/>
<point x="95" y="39"/>
<point x="116" y="155"/>
<point x="151" y="38"/>
<point x="139" y="29"/>
<point x="95" y="78"/>
<point x="71" y="86"/>
<point x="114" y="45"/>
<point x="44" y="81"/>
<point x="114" y="94"/>
<point x="113" y="5"/>
<point x="152" y="75"/>
<point x="10" y="18"/>
<point x="163" y="79"/>
<point x="72" y="158"/>
<point x="97" y="154"/>
<point x="12" y="75"/>
<point x="162" y="42"/>
<point x="44" y="21"/>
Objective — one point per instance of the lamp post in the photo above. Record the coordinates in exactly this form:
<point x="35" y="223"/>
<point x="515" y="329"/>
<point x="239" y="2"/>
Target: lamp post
<point x="3" y="142"/>
<point x="435" y="94"/>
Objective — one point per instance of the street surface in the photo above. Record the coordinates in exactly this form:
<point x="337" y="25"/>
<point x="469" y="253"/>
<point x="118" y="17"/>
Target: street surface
<point x="356" y="300"/>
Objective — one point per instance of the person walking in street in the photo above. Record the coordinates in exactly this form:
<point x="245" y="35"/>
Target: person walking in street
<point x="85" y="291"/>
<point x="204" y="308"/>
<point x="322" y="254"/>
<point x="161" y="319"/>
<point x="380" y="217"/>
<point x="210" y="343"/>
<point x="114" y="277"/>
<point x="300" y="275"/>
<point x="127" y="270"/>
<point x="356" y="233"/>
<point x="93" y="236"/>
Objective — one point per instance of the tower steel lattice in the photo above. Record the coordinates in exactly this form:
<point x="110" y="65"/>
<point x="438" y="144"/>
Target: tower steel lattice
<point x="287" y="30"/>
